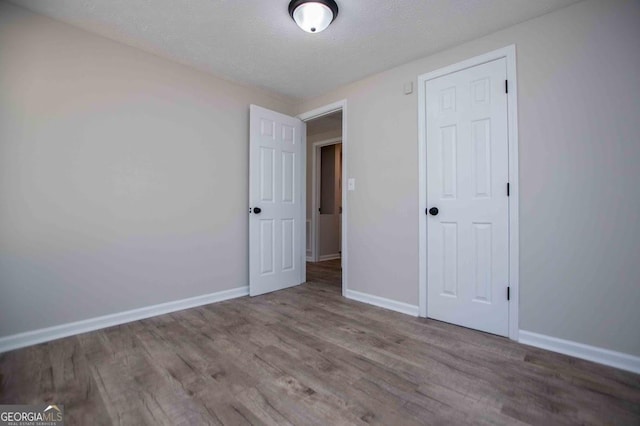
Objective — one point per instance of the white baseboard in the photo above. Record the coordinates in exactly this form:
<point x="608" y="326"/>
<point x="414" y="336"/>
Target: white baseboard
<point x="580" y="350"/>
<point x="309" y="259"/>
<point x="392" y="305"/>
<point x="29" y="338"/>
<point x="328" y="257"/>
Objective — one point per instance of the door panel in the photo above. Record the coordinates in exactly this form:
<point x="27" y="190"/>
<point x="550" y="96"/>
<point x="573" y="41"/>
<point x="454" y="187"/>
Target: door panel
<point x="276" y="237"/>
<point x="288" y="245"/>
<point x="482" y="262"/>
<point x="450" y="259"/>
<point x="467" y="174"/>
<point x="449" y="161"/>
<point x="267" y="168"/>
<point x="266" y="246"/>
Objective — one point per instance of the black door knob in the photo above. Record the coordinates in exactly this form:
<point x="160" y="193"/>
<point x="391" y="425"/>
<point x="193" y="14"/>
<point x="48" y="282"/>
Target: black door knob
<point x="257" y="210"/>
<point x="433" y="211"/>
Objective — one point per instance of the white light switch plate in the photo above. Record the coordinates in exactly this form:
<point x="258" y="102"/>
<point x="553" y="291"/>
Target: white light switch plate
<point x="351" y="184"/>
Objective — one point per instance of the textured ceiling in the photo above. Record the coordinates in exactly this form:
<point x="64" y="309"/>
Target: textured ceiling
<point x="255" y="42"/>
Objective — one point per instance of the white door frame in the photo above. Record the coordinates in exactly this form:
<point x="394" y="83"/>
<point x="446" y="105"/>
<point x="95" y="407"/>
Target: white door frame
<point x="317" y="113"/>
<point x="509" y="53"/>
<point x="315" y="194"/>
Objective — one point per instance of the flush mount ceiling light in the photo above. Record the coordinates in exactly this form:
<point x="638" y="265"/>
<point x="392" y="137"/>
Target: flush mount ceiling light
<point x="313" y="16"/>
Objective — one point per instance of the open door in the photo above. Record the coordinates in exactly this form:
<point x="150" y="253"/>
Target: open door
<point x="276" y="201"/>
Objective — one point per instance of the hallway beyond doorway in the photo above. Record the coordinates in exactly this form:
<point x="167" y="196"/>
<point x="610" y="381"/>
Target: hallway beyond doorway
<point x="328" y="273"/>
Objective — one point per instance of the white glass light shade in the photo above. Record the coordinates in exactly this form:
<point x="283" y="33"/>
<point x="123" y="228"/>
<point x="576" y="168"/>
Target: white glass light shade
<point x="313" y="17"/>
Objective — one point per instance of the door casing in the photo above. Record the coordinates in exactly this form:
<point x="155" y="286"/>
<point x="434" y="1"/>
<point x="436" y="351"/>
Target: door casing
<point x="509" y="53"/>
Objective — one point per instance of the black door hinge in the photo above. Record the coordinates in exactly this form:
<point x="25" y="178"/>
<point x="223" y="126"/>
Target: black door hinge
<point x="506" y="86"/>
<point x="508" y="189"/>
<point x="508" y="293"/>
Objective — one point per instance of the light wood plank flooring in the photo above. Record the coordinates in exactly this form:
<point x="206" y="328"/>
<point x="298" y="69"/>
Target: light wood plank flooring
<point x="307" y="356"/>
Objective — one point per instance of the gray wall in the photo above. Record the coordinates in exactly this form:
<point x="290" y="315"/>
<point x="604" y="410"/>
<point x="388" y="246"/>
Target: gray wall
<point x="123" y="176"/>
<point x="579" y="135"/>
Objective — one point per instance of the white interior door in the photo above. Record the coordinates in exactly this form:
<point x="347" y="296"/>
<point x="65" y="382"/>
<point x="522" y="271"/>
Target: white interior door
<point x="276" y="209"/>
<point x="467" y="176"/>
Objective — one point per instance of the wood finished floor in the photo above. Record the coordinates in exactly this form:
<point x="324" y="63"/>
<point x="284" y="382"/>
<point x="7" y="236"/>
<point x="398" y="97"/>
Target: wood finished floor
<point x="307" y="356"/>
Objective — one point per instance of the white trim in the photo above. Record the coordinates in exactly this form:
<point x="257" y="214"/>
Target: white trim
<point x="315" y="194"/>
<point x="303" y="257"/>
<point x="393" y="305"/>
<point x="324" y="110"/>
<point x="316" y="113"/>
<point x="328" y="257"/>
<point x="509" y="53"/>
<point x="29" y="338"/>
<point x="309" y="239"/>
<point x="422" y="198"/>
<point x="580" y="350"/>
<point x="514" y="194"/>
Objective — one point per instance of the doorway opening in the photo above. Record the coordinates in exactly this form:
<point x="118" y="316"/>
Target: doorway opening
<point x="324" y="188"/>
<point x="325" y="196"/>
